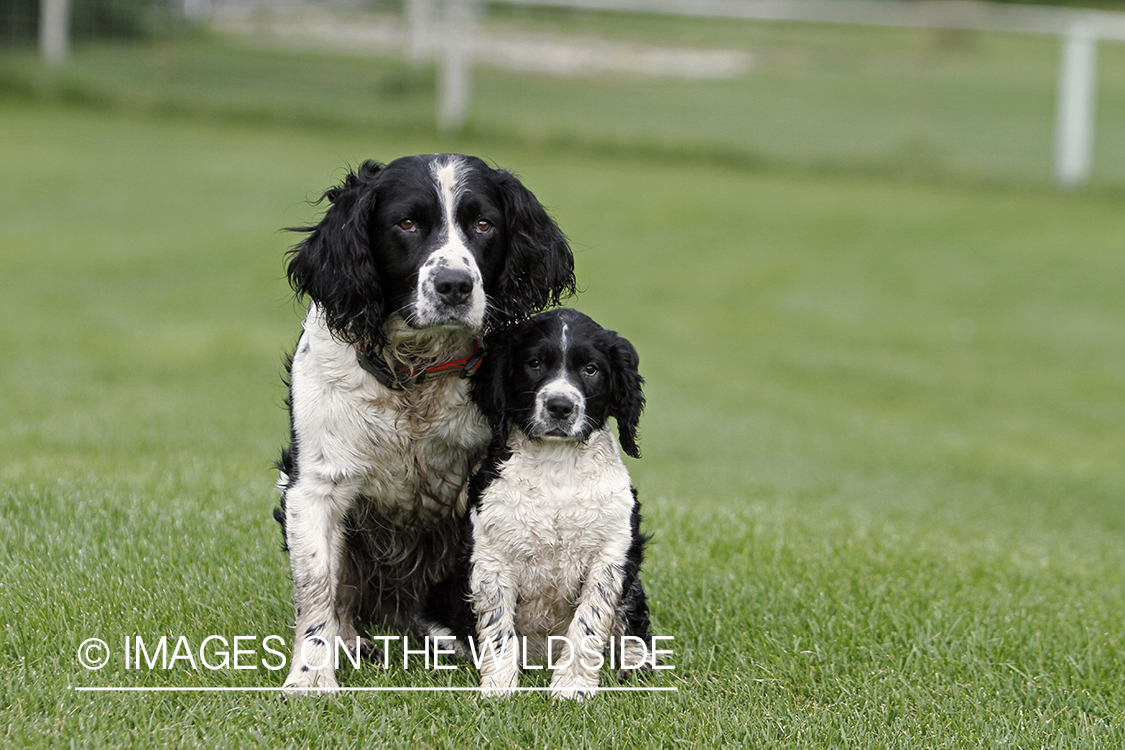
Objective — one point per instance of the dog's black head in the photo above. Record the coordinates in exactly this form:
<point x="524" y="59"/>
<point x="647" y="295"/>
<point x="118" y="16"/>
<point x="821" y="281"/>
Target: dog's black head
<point x="559" y="376"/>
<point x="442" y="240"/>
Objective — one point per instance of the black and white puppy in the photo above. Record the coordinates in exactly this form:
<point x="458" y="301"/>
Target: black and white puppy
<point x="410" y="265"/>
<point x="553" y="546"/>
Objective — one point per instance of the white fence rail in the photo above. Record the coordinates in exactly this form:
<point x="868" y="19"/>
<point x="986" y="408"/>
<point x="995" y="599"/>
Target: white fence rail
<point x="1079" y="32"/>
<point x="448" y="34"/>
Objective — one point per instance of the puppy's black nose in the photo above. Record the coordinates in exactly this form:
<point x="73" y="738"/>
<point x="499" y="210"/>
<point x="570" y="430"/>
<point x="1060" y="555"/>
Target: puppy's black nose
<point x="559" y="407"/>
<point x="453" y="286"/>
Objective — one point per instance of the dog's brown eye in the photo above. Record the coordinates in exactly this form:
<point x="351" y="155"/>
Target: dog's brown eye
<point x="484" y="226"/>
<point x="407" y="225"/>
<point x="591" y="369"/>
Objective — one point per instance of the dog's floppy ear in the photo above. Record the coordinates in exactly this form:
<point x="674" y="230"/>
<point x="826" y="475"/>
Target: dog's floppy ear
<point x="627" y="400"/>
<point x="335" y="265"/>
<point x="489" y="386"/>
<point x="539" y="269"/>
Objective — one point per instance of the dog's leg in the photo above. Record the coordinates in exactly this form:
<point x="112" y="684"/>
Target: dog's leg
<point x="314" y="512"/>
<point x="347" y="594"/>
<point x="347" y="603"/>
<point x="495" y="606"/>
<point x="576" y="677"/>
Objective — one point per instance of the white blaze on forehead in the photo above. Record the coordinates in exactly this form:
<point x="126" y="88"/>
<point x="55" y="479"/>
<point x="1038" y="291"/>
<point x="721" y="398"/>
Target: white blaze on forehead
<point x="449" y="186"/>
<point x="452" y="253"/>
<point x="562" y="386"/>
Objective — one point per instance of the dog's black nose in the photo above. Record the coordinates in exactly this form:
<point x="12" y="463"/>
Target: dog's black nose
<point x="453" y="286"/>
<point x="559" y="407"/>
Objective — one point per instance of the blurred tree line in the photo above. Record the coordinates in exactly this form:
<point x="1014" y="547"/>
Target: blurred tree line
<point x="117" y="19"/>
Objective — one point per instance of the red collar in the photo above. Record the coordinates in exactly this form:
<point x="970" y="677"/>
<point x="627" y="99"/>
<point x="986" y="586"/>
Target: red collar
<point x="401" y="376"/>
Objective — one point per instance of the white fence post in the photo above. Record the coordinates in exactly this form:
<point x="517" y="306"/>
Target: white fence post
<point x="54" y="30"/>
<point x="419" y="29"/>
<point x="1077" y="105"/>
<point x="455" y="66"/>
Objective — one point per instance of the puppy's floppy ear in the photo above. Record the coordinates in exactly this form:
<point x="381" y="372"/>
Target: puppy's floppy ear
<point x="489" y="386"/>
<point x="539" y="268"/>
<point x="335" y="265"/>
<point x="627" y="400"/>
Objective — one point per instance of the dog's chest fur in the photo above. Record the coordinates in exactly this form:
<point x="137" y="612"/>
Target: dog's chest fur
<point x="554" y="510"/>
<point x="409" y="452"/>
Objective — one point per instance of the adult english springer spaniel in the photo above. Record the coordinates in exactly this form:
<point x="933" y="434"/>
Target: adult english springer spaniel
<point x="552" y="550"/>
<point x="410" y="265"/>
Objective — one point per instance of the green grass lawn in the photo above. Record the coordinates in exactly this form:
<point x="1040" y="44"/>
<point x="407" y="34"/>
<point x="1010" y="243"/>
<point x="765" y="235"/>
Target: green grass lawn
<point x="882" y="452"/>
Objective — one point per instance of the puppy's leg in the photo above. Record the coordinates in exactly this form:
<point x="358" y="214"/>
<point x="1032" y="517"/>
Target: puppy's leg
<point x="577" y="674"/>
<point x="314" y="511"/>
<point x="632" y="621"/>
<point x="494" y="603"/>
<point x="632" y="614"/>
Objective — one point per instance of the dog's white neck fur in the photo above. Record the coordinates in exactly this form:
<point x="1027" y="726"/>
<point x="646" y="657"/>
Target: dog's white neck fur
<point x="360" y="432"/>
<point x="419" y="348"/>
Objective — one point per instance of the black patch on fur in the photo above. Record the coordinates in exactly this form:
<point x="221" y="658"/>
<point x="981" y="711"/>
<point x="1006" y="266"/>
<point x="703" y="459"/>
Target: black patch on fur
<point x="448" y="601"/>
<point x="336" y="264"/>
<point x="539" y="270"/>
<point x="393" y="564"/>
<point x="634" y="604"/>
<point x="626" y="401"/>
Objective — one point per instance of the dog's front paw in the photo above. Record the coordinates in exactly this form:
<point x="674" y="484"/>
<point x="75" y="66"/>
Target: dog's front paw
<point x="368" y="651"/>
<point x="304" y="680"/>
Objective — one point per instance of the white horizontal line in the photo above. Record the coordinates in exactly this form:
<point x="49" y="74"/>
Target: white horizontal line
<point x="125" y="689"/>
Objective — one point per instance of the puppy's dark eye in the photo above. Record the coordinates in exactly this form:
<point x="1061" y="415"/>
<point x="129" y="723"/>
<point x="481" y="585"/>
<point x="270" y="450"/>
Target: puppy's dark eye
<point x="407" y="225"/>
<point x="591" y="369"/>
<point x="484" y="226"/>
<point x="533" y="364"/>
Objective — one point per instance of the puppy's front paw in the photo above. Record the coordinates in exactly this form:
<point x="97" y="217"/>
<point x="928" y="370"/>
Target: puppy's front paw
<point x="496" y="692"/>
<point x="573" y="689"/>
<point x="498" y="686"/>
<point x="643" y="670"/>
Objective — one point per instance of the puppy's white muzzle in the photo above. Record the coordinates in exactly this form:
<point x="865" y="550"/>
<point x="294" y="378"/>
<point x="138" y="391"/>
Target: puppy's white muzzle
<point x="560" y="410"/>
